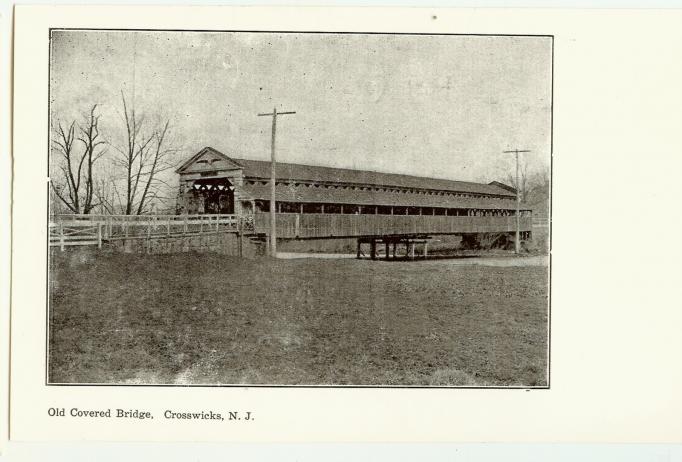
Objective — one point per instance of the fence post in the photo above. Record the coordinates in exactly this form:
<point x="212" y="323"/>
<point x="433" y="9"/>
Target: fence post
<point x="240" y="227"/>
<point x="61" y="236"/>
<point x="99" y="235"/>
<point x="184" y="229"/>
<point x="168" y="226"/>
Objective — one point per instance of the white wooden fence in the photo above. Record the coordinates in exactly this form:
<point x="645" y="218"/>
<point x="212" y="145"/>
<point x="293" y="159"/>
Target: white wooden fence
<point x="72" y="230"/>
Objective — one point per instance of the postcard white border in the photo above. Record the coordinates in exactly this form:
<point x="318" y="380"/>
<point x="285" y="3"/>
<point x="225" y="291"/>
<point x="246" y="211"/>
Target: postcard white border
<point x="596" y="394"/>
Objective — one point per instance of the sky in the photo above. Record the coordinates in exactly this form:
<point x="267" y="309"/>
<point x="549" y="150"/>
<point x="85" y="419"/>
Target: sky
<point x="439" y="106"/>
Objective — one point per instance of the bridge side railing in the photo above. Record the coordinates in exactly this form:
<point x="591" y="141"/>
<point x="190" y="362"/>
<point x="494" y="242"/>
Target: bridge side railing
<point x="292" y="225"/>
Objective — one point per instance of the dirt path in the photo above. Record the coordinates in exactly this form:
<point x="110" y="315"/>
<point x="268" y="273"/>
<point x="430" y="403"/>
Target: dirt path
<point x="536" y="260"/>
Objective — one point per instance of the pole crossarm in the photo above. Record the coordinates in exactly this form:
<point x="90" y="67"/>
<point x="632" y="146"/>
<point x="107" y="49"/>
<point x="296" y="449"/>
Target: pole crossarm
<point x="279" y="113"/>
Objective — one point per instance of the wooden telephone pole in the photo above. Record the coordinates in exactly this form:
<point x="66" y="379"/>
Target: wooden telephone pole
<point x="517" y="242"/>
<point x="273" y="227"/>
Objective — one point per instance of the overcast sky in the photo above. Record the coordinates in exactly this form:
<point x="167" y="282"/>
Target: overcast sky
<point x="442" y="106"/>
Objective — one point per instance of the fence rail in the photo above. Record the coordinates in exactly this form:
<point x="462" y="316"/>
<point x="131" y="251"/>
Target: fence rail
<point x="64" y="235"/>
<point x="67" y="230"/>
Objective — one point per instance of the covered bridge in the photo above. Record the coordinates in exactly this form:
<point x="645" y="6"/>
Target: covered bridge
<point x="322" y="202"/>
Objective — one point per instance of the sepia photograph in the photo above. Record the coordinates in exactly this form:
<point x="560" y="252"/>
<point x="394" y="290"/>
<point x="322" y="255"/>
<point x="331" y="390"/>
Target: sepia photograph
<point x="233" y="208"/>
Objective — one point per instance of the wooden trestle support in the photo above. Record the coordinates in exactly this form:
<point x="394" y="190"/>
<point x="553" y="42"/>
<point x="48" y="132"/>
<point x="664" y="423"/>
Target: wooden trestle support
<point x="391" y="245"/>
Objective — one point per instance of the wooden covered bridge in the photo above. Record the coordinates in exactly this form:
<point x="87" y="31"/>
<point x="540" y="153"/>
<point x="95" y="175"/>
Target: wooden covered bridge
<point x="219" y="194"/>
<point x="314" y="202"/>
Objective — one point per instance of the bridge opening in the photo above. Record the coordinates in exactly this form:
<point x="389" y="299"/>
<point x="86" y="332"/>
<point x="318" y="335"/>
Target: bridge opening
<point x="263" y="206"/>
<point x="212" y="196"/>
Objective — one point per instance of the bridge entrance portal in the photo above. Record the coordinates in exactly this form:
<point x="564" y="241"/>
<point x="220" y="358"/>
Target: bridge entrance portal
<point x="213" y="195"/>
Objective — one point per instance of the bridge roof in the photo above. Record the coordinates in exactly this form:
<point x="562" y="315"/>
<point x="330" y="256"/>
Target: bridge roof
<point x="311" y="183"/>
<point x="310" y="193"/>
<point x="312" y="173"/>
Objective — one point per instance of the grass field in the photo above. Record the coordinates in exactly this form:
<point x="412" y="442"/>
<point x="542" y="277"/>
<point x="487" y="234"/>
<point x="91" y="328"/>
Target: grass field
<point x="203" y="318"/>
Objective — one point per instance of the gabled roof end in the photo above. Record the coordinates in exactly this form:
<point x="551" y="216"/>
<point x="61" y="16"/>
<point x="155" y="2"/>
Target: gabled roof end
<point x="203" y="151"/>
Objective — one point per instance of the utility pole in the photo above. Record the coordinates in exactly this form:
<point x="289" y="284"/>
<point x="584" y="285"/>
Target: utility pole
<point x="517" y="242"/>
<point x="273" y="180"/>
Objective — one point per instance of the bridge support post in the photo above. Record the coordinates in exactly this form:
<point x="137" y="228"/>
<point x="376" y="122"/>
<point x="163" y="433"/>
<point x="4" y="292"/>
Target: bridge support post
<point x="358" y="250"/>
<point x="373" y="249"/>
<point x="387" y="250"/>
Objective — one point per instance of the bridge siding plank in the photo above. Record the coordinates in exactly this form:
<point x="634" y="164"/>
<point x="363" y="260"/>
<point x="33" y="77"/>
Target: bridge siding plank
<point x="292" y="225"/>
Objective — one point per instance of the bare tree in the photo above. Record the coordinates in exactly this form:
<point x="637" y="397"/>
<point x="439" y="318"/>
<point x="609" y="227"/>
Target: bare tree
<point x="146" y="154"/>
<point x="541" y="179"/>
<point x="158" y="161"/>
<point x="75" y="186"/>
<point x="107" y="196"/>
<point x="89" y="138"/>
<point x="538" y="186"/>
